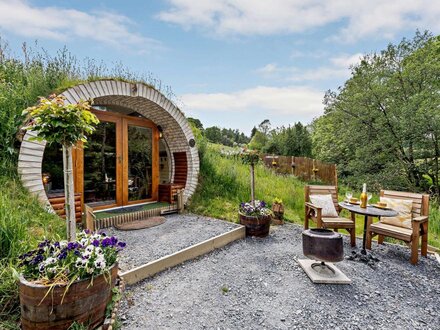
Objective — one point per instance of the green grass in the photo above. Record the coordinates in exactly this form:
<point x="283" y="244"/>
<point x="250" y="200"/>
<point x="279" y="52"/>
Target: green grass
<point x="23" y="222"/>
<point x="225" y="183"/>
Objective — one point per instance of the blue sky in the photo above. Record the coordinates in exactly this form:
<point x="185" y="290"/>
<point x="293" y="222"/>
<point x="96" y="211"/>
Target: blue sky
<point x="231" y="63"/>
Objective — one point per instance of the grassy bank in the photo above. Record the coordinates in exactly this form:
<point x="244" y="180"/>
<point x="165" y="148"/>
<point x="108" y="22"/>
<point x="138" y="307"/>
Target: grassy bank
<point x="225" y="183"/>
<point x="23" y="222"/>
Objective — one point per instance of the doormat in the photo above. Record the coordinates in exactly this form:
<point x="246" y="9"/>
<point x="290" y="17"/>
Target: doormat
<point x="141" y="224"/>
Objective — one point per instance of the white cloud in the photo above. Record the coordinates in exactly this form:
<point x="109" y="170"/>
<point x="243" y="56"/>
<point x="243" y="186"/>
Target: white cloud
<point x="358" y="18"/>
<point x="19" y="17"/>
<point x="338" y="68"/>
<point x="302" y="103"/>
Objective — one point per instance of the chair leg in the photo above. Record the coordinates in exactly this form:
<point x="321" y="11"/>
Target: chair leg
<point x="380" y="239"/>
<point x="353" y="237"/>
<point x="306" y="222"/>
<point x="424" y="247"/>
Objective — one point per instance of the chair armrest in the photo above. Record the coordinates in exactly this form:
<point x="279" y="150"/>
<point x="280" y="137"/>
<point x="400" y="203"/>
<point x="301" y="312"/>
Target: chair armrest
<point x="420" y="219"/>
<point x="312" y="206"/>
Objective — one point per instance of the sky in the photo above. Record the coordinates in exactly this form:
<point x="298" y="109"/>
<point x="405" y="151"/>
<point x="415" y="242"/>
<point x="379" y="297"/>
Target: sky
<point x="230" y="63"/>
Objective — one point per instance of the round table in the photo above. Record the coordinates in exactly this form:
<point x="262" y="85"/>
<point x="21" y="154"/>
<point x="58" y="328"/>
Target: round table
<point x="369" y="211"/>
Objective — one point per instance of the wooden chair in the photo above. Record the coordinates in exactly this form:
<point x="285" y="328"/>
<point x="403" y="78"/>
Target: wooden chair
<point x="419" y="224"/>
<point x="312" y="212"/>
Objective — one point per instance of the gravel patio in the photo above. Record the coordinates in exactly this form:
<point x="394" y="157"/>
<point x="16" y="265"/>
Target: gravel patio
<point x="257" y="284"/>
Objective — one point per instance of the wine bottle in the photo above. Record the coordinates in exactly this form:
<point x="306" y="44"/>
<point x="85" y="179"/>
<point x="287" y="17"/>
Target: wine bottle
<point x="364" y="197"/>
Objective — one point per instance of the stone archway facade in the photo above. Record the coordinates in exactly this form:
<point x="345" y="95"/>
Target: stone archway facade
<point x="136" y="96"/>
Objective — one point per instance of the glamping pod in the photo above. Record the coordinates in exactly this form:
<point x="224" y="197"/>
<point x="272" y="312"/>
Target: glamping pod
<point x="142" y="151"/>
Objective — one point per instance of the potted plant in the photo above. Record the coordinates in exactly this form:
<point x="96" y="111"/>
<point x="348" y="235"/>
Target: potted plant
<point x="254" y="215"/>
<point x="57" y="122"/>
<point x="278" y="211"/>
<point x="66" y="282"/>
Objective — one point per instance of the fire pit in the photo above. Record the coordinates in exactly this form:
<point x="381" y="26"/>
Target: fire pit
<point x="323" y="245"/>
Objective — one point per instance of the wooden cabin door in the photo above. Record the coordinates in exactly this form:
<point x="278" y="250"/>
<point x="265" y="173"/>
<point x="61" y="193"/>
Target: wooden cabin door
<point x="120" y="162"/>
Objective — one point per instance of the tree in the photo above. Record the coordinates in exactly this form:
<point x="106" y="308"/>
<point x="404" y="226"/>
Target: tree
<point x="264" y="126"/>
<point x="384" y="122"/>
<point x="196" y="122"/>
<point x="57" y="122"/>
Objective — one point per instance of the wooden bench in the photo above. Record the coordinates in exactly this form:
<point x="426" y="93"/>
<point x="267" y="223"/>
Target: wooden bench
<point x="419" y="224"/>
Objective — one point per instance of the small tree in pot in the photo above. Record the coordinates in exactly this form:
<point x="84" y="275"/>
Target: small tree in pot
<point x="254" y="215"/>
<point x="57" y="122"/>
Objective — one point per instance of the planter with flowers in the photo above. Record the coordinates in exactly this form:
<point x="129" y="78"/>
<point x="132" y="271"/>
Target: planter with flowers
<point x="278" y="211"/>
<point x="67" y="282"/>
<point x="254" y="215"/>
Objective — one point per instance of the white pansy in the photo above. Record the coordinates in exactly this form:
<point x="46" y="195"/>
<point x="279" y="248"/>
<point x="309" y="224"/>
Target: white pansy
<point x="50" y="261"/>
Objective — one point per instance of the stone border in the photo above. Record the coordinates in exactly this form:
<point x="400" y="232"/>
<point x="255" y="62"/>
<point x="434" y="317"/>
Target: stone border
<point x="144" y="271"/>
<point x="137" y="96"/>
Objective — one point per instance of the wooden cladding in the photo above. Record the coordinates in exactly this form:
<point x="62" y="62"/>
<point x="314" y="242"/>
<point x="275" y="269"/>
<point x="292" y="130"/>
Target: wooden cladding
<point x="168" y="191"/>
<point x="306" y="169"/>
<point x="180" y="168"/>
<point x="58" y="203"/>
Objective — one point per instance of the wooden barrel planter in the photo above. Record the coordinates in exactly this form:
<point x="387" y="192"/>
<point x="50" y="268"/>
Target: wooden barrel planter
<point x="256" y="225"/>
<point x="83" y="302"/>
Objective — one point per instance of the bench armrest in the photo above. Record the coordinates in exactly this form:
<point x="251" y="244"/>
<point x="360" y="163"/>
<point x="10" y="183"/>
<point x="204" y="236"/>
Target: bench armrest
<point x="420" y="219"/>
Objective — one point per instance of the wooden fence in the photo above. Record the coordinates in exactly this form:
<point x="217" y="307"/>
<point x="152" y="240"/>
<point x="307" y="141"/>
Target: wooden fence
<point x="304" y="168"/>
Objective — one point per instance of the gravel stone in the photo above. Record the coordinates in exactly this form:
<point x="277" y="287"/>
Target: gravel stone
<point x="257" y="284"/>
<point x="177" y="233"/>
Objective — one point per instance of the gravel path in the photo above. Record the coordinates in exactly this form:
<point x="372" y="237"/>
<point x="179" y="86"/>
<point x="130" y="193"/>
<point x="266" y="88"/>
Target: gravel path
<point x="178" y="232"/>
<point x="256" y="284"/>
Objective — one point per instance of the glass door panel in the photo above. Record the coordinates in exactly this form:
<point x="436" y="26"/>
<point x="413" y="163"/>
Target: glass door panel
<point x="140" y="163"/>
<point x="100" y="166"/>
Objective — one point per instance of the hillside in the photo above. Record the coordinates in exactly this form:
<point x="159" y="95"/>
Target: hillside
<point x="225" y="183"/>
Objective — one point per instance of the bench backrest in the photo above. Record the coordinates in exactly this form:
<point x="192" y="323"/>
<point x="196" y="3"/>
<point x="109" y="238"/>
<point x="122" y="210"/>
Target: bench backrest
<point x="420" y="204"/>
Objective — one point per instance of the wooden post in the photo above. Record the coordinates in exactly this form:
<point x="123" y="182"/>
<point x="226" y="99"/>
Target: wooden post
<point x="69" y="193"/>
<point x="252" y="185"/>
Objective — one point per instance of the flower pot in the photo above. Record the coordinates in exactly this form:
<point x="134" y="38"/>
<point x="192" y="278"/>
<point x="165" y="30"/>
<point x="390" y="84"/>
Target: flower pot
<point x="256" y="225"/>
<point x="84" y="302"/>
<point x="278" y="212"/>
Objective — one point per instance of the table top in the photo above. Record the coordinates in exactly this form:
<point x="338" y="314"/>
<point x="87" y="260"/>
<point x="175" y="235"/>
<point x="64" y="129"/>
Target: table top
<point x="369" y="210"/>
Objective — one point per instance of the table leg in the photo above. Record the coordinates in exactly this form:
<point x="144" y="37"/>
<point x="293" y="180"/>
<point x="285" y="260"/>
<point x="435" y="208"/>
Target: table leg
<point x="365" y="235"/>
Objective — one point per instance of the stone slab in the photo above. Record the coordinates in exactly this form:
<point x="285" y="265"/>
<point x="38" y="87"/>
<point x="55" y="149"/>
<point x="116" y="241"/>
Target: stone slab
<point x="338" y="278"/>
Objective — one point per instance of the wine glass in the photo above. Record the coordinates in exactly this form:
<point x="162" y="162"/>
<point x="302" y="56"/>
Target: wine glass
<point x="369" y="195"/>
<point x="349" y="195"/>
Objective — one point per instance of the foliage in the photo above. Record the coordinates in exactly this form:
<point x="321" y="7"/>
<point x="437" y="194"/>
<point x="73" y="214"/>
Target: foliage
<point x="383" y="125"/>
<point x="58" y="122"/>
<point x="63" y="262"/>
<point x="277" y="200"/>
<point x="22" y="223"/>
<point x="249" y="157"/>
<point x="226" y="136"/>
<point x="286" y="141"/>
<point x="257" y="208"/>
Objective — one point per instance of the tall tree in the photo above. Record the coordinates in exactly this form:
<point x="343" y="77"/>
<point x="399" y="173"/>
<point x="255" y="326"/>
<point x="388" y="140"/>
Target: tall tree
<point x="384" y="121"/>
